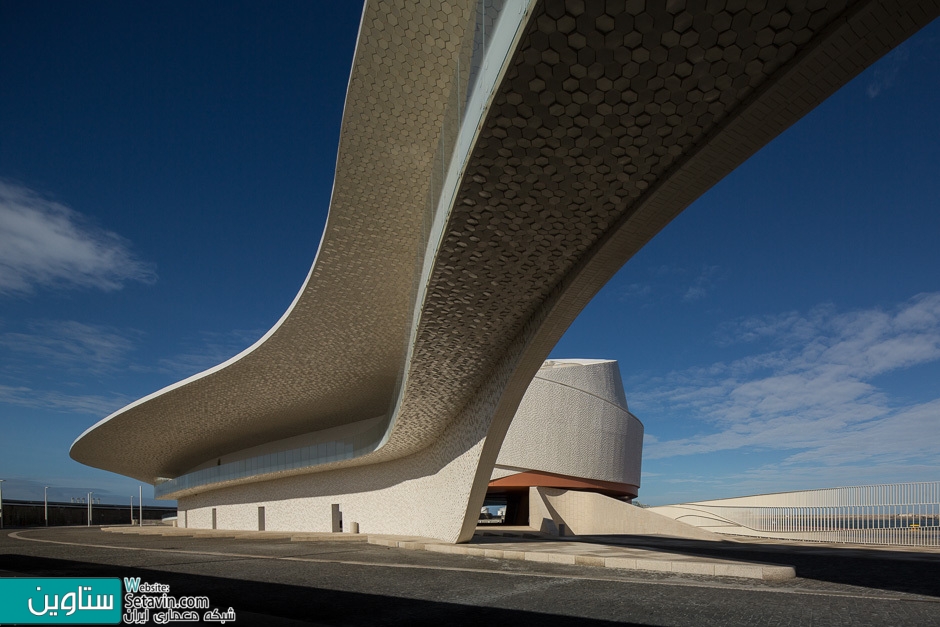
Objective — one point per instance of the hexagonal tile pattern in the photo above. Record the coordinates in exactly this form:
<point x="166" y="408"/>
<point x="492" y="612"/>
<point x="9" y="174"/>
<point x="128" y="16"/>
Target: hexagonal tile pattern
<point x="602" y="103"/>
<point x="610" y="119"/>
<point x="339" y="352"/>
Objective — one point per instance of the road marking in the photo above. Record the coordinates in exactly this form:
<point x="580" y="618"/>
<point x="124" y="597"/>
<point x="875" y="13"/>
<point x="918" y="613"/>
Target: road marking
<point x="682" y="584"/>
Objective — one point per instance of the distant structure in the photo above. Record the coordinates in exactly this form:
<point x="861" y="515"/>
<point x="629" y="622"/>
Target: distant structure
<point x="499" y="161"/>
<point x="572" y="431"/>
<point x="905" y="514"/>
<point x="22" y="513"/>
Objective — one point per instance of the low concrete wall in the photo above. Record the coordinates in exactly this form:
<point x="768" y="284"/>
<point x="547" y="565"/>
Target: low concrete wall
<point x="589" y="513"/>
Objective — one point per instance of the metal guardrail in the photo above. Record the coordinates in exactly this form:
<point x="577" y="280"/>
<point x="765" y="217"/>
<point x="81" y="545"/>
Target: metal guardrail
<point x="900" y="514"/>
<point x="315" y="454"/>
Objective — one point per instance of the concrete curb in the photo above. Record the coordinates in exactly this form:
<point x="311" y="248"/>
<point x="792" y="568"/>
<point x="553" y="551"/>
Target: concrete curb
<point x="656" y="561"/>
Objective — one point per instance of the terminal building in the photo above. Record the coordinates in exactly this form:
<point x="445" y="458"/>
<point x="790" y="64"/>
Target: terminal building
<point x="572" y="431"/>
<point x="499" y="161"/>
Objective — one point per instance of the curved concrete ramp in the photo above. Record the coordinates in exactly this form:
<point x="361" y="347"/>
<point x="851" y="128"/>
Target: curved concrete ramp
<point x="589" y="513"/>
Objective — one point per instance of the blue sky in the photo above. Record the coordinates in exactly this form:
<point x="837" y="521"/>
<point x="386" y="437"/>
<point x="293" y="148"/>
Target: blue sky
<point x="165" y="173"/>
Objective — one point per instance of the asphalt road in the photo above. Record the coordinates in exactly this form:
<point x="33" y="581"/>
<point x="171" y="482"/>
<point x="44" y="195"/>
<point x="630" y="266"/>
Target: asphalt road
<point x="273" y="582"/>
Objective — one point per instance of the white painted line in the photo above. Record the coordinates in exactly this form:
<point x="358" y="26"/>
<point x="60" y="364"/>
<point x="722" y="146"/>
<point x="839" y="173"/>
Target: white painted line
<point x="682" y="584"/>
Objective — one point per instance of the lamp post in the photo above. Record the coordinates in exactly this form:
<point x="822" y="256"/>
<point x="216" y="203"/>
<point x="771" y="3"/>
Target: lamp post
<point x="89" y="508"/>
<point x="45" y="504"/>
<point x="1" y="502"/>
<point x="132" y="509"/>
<point x="140" y="501"/>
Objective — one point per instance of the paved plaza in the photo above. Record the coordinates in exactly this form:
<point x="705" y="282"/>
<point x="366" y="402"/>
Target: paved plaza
<point x="349" y="581"/>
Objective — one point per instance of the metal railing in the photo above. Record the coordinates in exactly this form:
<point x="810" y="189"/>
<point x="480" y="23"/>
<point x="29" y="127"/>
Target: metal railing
<point x="902" y="514"/>
<point x="315" y="454"/>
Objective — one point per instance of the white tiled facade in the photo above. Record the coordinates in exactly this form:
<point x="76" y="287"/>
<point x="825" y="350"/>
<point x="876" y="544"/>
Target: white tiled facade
<point x="606" y="121"/>
<point x="573" y="421"/>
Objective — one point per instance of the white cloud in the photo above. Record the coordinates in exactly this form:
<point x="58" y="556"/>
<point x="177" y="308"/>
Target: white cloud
<point x="813" y="394"/>
<point x="69" y="344"/>
<point x="702" y="283"/>
<point x="637" y="291"/>
<point x="214" y="348"/>
<point x="44" y="243"/>
<point x="886" y="71"/>
<point x="790" y="325"/>
<point x="95" y="405"/>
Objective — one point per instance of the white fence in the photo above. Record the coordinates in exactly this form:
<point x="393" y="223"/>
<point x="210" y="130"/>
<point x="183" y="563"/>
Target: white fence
<point x="904" y="514"/>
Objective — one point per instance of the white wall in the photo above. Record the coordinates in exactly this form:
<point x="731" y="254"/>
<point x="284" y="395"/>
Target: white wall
<point x="573" y="421"/>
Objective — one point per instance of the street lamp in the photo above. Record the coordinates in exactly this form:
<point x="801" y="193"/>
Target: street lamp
<point x="89" y="508"/>
<point x="45" y="503"/>
<point x="1" y="502"/>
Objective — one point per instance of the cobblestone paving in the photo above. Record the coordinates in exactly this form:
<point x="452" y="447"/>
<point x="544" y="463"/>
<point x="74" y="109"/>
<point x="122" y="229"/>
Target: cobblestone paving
<point x="277" y="582"/>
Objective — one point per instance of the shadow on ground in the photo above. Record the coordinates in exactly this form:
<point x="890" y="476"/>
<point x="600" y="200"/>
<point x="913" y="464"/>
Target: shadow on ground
<point x="317" y="606"/>
<point x="884" y="569"/>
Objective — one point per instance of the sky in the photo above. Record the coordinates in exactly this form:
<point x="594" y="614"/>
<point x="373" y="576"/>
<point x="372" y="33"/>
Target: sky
<point x="165" y="174"/>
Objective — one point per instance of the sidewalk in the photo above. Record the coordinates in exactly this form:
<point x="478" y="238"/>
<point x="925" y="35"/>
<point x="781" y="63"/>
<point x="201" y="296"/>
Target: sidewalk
<point x="516" y="544"/>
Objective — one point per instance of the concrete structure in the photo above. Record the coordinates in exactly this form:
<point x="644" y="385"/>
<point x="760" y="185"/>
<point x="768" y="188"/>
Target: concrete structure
<point x="498" y="162"/>
<point x="573" y="429"/>
<point x="905" y="514"/>
<point x="581" y="513"/>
